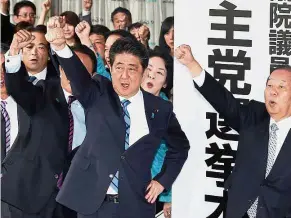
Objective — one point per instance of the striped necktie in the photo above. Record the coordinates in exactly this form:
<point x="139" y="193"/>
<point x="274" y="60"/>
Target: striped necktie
<point x="252" y="212"/>
<point x="31" y="79"/>
<point x="124" y="104"/>
<point x="7" y="124"/>
<point x="71" y="134"/>
<point x="71" y="122"/>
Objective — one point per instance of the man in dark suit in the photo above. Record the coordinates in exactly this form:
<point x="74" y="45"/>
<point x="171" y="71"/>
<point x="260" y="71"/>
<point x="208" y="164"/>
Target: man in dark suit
<point x="22" y="11"/>
<point x="32" y="168"/>
<point x="260" y="184"/>
<point x="110" y="174"/>
<point x="14" y="121"/>
<point x="86" y="11"/>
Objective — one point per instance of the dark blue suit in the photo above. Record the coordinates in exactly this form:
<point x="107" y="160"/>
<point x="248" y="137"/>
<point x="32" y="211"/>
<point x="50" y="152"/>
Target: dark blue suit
<point x="102" y="152"/>
<point x="247" y="180"/>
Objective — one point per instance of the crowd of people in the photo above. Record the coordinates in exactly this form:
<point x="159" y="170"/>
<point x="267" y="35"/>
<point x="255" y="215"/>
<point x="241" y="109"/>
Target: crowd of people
<point x="48" y="122"/>
<point x="88" y="128"/>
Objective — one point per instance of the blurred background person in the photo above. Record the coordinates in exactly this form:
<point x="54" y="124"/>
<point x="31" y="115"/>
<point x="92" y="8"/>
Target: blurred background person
<point x="121" y="18"/>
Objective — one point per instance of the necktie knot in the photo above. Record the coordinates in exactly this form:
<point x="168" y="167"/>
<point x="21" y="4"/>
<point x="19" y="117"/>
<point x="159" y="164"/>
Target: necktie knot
<point x="31" y="79"/>
<point x="71" y="99"/>
<point x="3" y="104"/>
<point x="274" y="127"/>
<point x="125" y="103"/>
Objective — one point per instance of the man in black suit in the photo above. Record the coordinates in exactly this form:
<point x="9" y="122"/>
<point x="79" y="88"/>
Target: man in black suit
<point x="260" y="184"/>
<point x="22" y="11"/>
<point x="86" y="11"/>
<point x="110" y="174"/>
<point x="32" y="168"/>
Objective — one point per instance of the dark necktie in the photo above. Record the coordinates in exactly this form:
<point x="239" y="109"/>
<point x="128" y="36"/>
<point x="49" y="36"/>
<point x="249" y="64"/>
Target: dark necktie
<point x="31" y="79"/>
<point x="71" y="134"/>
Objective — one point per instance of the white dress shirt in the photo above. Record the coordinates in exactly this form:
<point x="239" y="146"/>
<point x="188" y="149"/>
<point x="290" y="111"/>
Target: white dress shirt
<point x="79" y="121"/>
<point x="138" y="122"/>
<point x="11" y="108"/>
<point x="283" y="125"/>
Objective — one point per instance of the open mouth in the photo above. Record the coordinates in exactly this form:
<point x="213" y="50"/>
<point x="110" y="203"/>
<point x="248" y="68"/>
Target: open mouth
<point x="2" y="83"/>
<point x="33" y="61"/>
<point x="150" y="85"/>
<point x="125" y="85"/>
<point x="272" y="103"/>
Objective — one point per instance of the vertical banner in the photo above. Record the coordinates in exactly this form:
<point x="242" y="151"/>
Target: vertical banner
<point x="238" y="42"/>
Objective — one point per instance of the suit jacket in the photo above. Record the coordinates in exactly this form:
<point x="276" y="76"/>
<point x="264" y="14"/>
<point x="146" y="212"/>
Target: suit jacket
<point x="31" y="169"/>
<point x="247" y="180"/>
<point x="102" y="153"/>
<point x="7" y="30"/>
<point x="86" y="18"/>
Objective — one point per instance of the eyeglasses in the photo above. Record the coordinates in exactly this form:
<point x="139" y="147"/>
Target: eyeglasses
<point x="26" y="15"/>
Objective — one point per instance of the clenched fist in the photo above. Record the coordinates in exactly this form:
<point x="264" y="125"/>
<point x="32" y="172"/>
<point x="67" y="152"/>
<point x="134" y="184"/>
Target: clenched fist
<point x="55" y="35"/>
<point x="20" y="39"/>
<point x="184" y="55"/>
<point x="143" y="33"/>
<point x="83" y="30"/>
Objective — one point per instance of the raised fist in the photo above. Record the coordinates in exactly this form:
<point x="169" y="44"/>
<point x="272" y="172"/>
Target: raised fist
<point x="83" y="30"/>
<point x="46" y="5"/>
<point x="20" y="40"/>
<point x="55" y="35"/>
<point x="143" y="33"/>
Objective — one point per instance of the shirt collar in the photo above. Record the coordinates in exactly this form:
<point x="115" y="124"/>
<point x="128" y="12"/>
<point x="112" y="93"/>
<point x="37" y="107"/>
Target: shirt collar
<point x="282" y="124"/>
<point x="134" y="98"/>
<point x="41" y="75"/>
<point x="67" y="94"/>
<point x="8" y="100"/>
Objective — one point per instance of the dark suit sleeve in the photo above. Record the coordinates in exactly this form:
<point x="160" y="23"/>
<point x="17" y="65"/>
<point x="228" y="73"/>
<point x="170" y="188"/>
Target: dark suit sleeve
<point x="28" y="96"/>
<point x="86" y="18"/>
<point x="230" y="108"/>
<point x="7" y="29"/>
<point x="178" y="147"/>
<point x="83" y="87"/>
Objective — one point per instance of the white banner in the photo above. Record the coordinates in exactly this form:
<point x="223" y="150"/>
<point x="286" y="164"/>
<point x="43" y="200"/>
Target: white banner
<point x="230" y="39"/>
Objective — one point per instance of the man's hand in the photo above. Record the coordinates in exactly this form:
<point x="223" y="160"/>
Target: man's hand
<point x="184" y="55"/>
<point x="20" y="39"/>
<point x="55" y="35"/>
<point x="46" y="5"/>
<point x="167" y="209"/>
<point x="4" y="7"/>
<point x="143" y="33"/>
<point x="87" y="5"/>
<point x="153" y="189"/>
<point x="83" y="30"/>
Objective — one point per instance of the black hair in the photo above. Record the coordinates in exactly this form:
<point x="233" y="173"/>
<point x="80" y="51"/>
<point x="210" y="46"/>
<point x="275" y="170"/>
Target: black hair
<point x="121" y="10"/>
<point x="122" y="33"/>
<point x="72" y="18"/>
<point x="129" y="46"/>
<point x="22" y="4"/>
<point x="87" y="51"/>
<point x="157" y="52"/>
<point x="167" y="24"/>
<point x="99" y="30"/>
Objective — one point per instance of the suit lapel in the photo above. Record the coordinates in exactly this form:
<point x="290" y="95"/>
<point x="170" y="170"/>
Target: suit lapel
<point x="150" y="110"/>
<point x="115" y="118"/>
<point x="283" y="158"/>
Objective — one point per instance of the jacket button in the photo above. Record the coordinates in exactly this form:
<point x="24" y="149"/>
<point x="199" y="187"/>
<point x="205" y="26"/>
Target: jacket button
<point x="111" y="176"/>
<point x="56" y="176"/>
<point x="122" y="157"/>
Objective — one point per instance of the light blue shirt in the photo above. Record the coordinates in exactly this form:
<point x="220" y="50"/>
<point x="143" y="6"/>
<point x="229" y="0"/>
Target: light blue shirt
<point x="79" y="121"/>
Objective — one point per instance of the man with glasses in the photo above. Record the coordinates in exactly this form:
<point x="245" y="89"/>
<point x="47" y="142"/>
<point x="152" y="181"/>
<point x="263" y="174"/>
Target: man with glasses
<point x="22" y="11"/>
